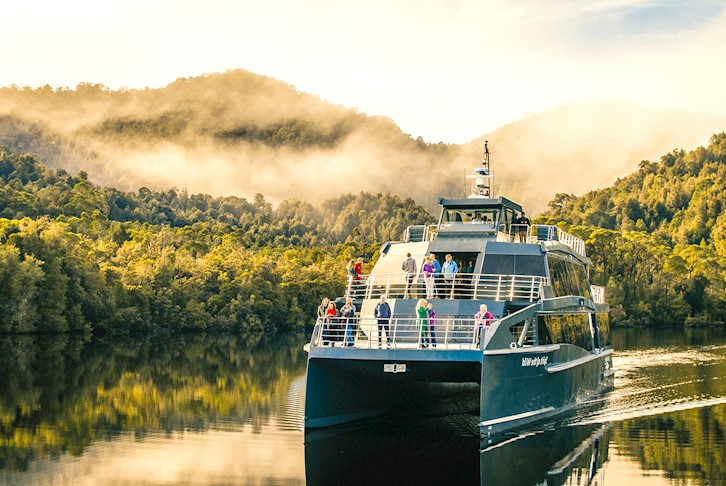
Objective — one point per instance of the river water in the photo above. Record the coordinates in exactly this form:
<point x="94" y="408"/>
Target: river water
<point x="211" y="410"/>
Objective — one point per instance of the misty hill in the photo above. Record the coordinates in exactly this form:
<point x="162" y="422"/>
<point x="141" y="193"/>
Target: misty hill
<point x="238" y="133"/>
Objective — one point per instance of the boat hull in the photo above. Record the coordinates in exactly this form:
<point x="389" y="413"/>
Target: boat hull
<point x="505" y="389"/>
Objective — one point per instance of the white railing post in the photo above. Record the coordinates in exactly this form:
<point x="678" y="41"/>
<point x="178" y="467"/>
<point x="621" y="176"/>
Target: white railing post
<point x="446" y="334"/>
<point x="394" y="324"/>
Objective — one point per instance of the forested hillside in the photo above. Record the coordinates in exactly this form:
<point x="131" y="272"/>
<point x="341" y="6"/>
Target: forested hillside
<point x="658" y="237"/>
<point x="75" y="256"/>
<point x="228" y="133"/>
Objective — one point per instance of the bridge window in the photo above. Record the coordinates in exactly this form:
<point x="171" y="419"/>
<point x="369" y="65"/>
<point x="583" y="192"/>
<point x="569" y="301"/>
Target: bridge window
<point x="568" y="277"/>
<point x="570" y="329"/>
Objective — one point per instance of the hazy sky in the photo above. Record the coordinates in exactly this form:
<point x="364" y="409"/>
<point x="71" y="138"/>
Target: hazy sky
<point x="446" y="70"/>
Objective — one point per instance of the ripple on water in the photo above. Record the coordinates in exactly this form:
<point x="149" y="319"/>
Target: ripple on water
<point x="658" y="381"/>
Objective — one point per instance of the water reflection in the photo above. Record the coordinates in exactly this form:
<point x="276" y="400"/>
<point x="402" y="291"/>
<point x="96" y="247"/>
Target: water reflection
<point x="225" y="410"/>
<point x="59" y="395"/>
<point x="426" y="453"/>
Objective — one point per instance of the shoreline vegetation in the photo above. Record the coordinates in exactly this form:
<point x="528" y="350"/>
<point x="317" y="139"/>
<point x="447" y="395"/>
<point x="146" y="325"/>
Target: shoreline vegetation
<point x="76" y="257"/>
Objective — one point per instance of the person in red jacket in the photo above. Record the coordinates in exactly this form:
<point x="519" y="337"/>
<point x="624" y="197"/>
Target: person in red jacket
<point x="358" y="268"/>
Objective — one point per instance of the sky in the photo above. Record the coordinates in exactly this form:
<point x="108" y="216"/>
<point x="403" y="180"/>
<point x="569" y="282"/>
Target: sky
<point x="445" y="70"/>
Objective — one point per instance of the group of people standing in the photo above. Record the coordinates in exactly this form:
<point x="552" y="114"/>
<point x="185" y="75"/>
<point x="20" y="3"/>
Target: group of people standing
<point x="338" y="325"/>
<point x="343" y="325"/>
<point x="439" y="279"/>
<point x="354" y="268"/>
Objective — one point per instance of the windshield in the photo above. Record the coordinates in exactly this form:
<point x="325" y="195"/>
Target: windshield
<point x="471" y="216"/>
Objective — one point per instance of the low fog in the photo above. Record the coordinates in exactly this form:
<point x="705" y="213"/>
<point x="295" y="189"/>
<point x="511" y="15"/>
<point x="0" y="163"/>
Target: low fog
<point x="226" y="134"/>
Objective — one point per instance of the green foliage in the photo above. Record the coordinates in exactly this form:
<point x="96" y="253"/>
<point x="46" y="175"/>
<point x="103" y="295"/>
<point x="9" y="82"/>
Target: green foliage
<point x="76" y="257"/>
<point x="657" y="238"/>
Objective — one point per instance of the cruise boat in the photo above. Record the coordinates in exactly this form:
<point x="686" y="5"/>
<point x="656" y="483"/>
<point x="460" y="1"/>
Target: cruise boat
<point x="546" y="348"/>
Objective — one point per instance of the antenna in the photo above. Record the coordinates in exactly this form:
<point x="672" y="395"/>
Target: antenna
<point x="482" y="176"/>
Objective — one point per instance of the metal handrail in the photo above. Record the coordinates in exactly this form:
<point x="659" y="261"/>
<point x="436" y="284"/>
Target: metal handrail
<point x="448" y="333"/>
<point x="462" y="286"/>
<point x="598" y="294"/>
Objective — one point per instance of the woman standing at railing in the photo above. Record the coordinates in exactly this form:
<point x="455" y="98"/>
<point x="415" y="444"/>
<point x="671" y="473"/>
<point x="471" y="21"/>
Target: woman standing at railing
<point x="432" y="327"/>
<point x="422" y="322"/>
<point x="331" y="324"/>
<point x="429" y="273"/>
<point x="481" y="320"/>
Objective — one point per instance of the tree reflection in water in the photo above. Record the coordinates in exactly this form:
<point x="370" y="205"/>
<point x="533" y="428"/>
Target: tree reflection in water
<point x="60" y="394"/>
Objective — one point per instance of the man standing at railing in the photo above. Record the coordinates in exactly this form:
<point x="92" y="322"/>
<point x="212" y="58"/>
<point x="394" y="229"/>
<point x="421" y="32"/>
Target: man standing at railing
<point x="449" y="269"/>
<point x="409" y="269"/>
<point x="523" y="228"/>
<point x="383" y="314"/>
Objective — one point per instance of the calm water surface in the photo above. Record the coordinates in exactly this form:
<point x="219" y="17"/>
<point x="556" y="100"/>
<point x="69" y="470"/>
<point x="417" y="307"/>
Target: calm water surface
<point x="203" y="410"/>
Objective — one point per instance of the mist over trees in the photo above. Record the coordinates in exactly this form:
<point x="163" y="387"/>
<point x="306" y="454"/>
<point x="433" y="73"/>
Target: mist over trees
<point x="78" y="257"/>
<point x="241" y="133"/>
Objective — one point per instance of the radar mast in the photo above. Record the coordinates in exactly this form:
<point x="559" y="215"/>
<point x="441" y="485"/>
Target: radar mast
<point x="482" y="177"/>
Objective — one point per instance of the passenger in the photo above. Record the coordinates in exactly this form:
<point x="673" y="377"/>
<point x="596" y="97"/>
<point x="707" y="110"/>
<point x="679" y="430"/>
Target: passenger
<point x="358" y="268"/>
<point x="323" y="307"/>
<point x="523" y="229"/>
<point x="477" y="219"/>
<point x="429" y="274"/>
<point x="382" y="313"/>
<point x="322" y="312"/>
<point x="482" y="319"/>
<point x="332" y="323"/>
<point x="450" y="269"/>
<point x="422" y="323"/>
<point x="432" y="327"/>
<point x="347" y="314"/>
<point x="409" y="269"/>
<point x="470" y="279"/>
<point x="350" y="269"/>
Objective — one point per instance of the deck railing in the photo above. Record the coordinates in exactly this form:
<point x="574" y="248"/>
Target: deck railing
<point x="447" y="333"/>
<point x="462" y="286"/>
<point x="598" y="294"/>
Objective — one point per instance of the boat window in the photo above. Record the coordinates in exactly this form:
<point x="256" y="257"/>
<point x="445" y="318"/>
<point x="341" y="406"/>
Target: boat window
<point x="498" y="264"/>
<point x="514" y="265"/>
<point x="603" y="326"/>
<point x="543" y="334"/>
<point x="529" y="265"/>
<point x="470" y="216"/>
<point x="570" y="329"/>
<point x="568" y="277"/>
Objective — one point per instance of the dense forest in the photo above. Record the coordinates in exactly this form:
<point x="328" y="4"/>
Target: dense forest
<point x="78" y="257"/>
<point x="658" y="238"/>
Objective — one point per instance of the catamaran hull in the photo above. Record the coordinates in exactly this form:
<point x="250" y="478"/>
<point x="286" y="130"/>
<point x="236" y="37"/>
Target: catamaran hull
<point x="520" y="387"/>
<point x="505" y="390"/>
